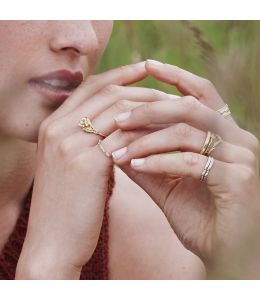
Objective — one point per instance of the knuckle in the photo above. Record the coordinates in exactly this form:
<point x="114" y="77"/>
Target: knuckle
<point x="130" y="69"/>
<point x="230" y="170"/>
<point x="138" y="145"/>
<point x="243" y="174"/>
<point x="183" y="130"/>
<point x="254" y="143"/>
<point x="250" y="158"/>
<point x="122" y="105"/>
<point x="91" y="78"/>
<point x="52" y="132"/>
<point x="128" y="136"/>
<point x="120" y="134"/>
<point x="230" y="176"/>
<point x="124" y="71"/>
<point x="110" y="89"/>
<point x="206" y="86"/>
<point x="124" y="136"/>
<point x="156" y="94"/>
<point x="190" y="159"/>
<point x="147" y="108"/>
<point x="190" y="103"/>
<point x="142" y="143"/>
<point x="65" y="147"/>
<point x="45" y="124"/>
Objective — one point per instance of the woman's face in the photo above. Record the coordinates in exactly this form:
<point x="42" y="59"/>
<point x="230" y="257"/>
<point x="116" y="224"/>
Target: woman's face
<point x="41" y="62"/>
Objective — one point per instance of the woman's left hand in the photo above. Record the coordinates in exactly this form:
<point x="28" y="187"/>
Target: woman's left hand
<point x="218" y="220"/>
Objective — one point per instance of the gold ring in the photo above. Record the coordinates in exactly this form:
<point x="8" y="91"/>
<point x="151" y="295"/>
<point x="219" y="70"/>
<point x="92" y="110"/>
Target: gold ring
<point x="103" y="149"/>
<point x="224" y="111"/>
<point x="87" y="126"/>
<point x="207" y="168"/>
<point x="211" y="142"/>
<point x="205" y="145"/>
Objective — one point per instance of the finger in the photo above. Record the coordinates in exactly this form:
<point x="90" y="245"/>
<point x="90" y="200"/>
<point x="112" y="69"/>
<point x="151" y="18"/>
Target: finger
<point x="114" y="93"/>
<point x="77" y="143"/>
<point x="189" y="110"/>
<point x="119" y="139"/>
<point x="183" y="165"/>
<point x="104" y="121"/>
<point x="123" y="75"/>
<point x="185" y="138"/>
<point x="187" y="83"/>
<point x="101" y="102"/>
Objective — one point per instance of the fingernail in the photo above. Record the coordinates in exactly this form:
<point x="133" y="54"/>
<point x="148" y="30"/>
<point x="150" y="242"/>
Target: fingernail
<point x="154" y="62"/>
<point x="119" y="153"/>
<point x="137" y="162"/>
<point x="122" y="117"/>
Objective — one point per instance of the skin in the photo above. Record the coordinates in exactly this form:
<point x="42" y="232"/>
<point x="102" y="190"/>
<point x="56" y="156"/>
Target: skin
<point x="61" y="167"/>
<point x="19" y="128"/>
<point x="206" y="217"/>
<point x="39" y="141"/>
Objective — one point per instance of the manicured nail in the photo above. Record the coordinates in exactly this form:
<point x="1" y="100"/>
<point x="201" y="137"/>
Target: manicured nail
<point x="119" y="153"/>
<point x="154" y="62"/>
<point x="122" y="117"/>
<point x="137" y="162"/>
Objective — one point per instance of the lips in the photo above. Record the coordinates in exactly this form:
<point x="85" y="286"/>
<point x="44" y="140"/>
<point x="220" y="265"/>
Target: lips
<point x="57" y="86"/>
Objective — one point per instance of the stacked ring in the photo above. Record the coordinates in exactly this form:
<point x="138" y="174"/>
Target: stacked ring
<point x="224" y="111"/>
<point x="211" y="142"/>
<point x="87" y="126"/>
<point x="103" y="149"/>
<point x="207" y="168"/>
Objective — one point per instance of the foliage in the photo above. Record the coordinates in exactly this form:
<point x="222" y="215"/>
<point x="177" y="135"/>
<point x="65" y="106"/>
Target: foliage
<point x="226" y="52"/>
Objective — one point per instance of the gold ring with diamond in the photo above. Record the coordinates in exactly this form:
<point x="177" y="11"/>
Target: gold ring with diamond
<point x="87" y="126"/>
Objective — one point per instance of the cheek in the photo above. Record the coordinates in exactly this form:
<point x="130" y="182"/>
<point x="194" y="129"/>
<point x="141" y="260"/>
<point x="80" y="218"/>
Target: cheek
<point x="9" y="58"/>
<point x="19" y="43"/>
<point x="21" y="39"/>
<point x="103" y="31"/>
<point x="15" y="34"/>
<point x="10" y="36"/>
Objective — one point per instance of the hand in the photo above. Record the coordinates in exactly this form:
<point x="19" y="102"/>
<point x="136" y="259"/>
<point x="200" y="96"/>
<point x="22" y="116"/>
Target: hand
<point x="217" y="220"/>
<point x="69" y="191"/>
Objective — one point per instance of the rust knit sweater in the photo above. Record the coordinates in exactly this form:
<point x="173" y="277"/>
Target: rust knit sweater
<point x="97" y="266"/>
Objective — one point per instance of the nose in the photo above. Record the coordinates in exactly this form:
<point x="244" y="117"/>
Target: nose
<point x="74" y="37"/>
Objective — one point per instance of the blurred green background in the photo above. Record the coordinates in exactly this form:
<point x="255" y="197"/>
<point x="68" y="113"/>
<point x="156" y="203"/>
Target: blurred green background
<point x="226" y="52"/>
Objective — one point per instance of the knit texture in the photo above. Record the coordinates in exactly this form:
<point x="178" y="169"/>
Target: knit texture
<point x="95" y="268"/>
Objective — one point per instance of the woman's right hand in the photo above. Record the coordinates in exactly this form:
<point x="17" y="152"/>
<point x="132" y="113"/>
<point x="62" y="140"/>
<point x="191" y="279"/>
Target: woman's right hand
<point x="72" y="173"/>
